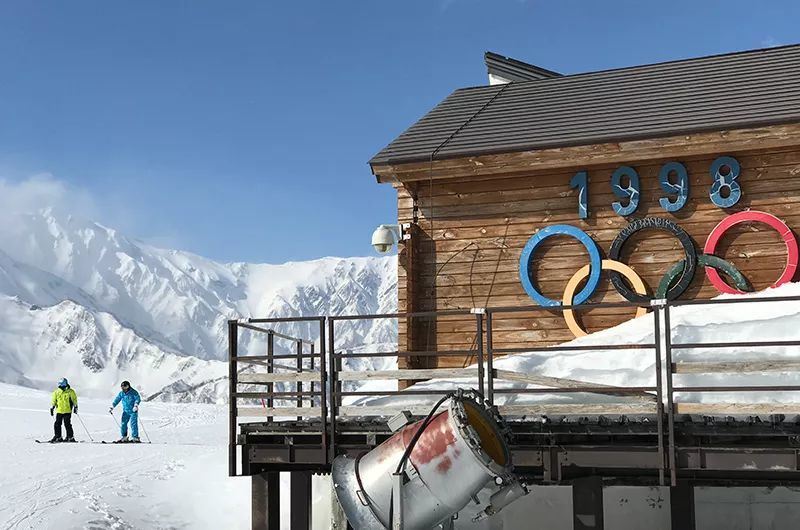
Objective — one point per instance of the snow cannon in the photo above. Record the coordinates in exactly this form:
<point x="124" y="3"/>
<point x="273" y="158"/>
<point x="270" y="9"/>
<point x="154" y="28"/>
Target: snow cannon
<point x="428" y="471"/>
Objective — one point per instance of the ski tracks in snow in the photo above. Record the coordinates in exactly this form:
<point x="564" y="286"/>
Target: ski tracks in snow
<point x="99" y="496"/>
<point x="63" y="487"/>
<point x="178" y="482"/>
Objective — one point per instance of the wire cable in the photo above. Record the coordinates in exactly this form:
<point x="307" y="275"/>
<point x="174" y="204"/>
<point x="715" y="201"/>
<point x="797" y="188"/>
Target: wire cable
<point x="413" y="442"/>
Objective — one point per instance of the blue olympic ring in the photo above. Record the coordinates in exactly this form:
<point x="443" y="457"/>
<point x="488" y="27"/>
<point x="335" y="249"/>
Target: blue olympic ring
<point x="595" y="262"/>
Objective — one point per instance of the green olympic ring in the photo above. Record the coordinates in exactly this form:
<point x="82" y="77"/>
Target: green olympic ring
<point x="704" y="260"/>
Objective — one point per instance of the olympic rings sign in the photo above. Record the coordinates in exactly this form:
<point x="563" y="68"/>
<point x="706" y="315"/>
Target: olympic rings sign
<point x="675" y="281"/>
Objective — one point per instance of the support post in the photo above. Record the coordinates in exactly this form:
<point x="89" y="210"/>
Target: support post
<point x="681" y="504"/>
<point x="300" y="515"/>
<point x="587" y="503"/>
<point x="265" y="502"/>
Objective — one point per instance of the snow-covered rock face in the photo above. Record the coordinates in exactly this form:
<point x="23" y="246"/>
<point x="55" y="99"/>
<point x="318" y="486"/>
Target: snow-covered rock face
<point x="83" y="301"/>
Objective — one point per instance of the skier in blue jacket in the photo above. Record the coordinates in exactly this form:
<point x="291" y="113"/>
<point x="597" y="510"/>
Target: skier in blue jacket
<point x="130" y="412"/>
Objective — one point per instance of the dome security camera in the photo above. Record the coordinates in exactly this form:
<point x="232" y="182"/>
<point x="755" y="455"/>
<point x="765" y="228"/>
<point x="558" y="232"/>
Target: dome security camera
<point x="384" y="238"/>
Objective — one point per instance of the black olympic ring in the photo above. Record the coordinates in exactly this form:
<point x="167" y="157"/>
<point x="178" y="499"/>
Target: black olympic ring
<point x="654" y="223"/>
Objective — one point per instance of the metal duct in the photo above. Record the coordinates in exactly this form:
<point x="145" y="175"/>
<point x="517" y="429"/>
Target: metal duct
<point x="462" y="449"/>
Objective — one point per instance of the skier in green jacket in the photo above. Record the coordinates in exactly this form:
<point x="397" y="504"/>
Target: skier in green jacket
<point x="64" y="403"/>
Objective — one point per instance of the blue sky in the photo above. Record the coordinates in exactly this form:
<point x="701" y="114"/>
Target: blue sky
<point x="241" y="130"/>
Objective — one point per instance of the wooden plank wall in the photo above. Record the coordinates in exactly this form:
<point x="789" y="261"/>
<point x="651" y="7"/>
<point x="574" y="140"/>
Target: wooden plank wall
<point x="472" y="230"/>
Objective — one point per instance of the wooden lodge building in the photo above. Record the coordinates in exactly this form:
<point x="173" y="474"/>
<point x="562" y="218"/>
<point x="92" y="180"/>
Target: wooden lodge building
<point x="656" y="185"/>
<point x="692" y="141"/>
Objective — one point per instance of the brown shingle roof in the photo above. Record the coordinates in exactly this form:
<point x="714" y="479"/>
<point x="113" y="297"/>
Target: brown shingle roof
<point x="738" y="90"/>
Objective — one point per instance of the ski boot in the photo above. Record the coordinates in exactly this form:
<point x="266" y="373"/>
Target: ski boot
<point x="136" y="440"/>
<point x="56" y="439"/>
<point x="122" y="440"/>
<point x="71" y="439"/>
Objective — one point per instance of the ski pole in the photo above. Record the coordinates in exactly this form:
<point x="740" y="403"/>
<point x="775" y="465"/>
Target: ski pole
<point x="84" y="427"/>
<point x="115" y="418"/>
<point x="145" y="431"/>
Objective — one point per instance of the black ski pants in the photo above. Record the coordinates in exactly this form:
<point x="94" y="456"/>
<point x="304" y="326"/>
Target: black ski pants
<point x="67" y="420"/>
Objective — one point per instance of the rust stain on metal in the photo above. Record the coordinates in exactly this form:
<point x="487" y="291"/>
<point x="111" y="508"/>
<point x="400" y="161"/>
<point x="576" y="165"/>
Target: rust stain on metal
<point x="435" y="441"/>
<point x="445" y="465"/>
<point x="433" y="444"/>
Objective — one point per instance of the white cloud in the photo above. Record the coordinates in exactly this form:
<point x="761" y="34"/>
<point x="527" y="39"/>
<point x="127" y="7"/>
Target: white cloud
<point x="42" y="191"/>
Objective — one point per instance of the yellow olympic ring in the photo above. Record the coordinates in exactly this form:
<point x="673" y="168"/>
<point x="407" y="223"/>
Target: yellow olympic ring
<point x="582" y="274"/>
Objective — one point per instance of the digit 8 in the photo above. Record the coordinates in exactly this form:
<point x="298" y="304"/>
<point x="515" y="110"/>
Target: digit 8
<point x="725" y="181"/>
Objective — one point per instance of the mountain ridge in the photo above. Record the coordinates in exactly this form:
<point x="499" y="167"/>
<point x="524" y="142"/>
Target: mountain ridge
<point x="72" y="289"/>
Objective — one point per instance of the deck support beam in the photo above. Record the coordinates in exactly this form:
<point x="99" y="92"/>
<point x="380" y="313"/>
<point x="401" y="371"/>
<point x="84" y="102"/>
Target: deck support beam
<point x="265" y="502"/>
<point x="587" y="503"/>
<point x="300" y="515"/>
<point x="681" y="504"/>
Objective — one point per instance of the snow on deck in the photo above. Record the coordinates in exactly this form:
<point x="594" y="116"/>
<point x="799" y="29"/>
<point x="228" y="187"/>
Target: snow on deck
<point x="767" y="321"/>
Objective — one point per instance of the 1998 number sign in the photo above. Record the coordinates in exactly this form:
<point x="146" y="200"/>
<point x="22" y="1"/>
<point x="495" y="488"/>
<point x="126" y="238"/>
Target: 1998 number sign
<point x="674" y="179"/>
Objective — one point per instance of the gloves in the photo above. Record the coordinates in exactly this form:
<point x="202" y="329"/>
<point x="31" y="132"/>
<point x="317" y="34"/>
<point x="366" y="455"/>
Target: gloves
<point x="51" y="410"/>
<point x="136" y="408"/>
<point x="75" y="410"/>
<point x="111" y="410"/>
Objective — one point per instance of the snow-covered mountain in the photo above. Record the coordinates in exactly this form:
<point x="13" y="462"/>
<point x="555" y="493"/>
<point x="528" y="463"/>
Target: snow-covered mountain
<point x="81" y="300"/>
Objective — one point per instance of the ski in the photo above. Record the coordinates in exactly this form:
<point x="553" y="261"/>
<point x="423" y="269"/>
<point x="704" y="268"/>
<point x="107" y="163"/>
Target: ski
<point x="59" y="442"/>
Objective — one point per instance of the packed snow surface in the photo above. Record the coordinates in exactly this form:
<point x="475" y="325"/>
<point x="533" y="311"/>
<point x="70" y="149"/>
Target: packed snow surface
<point x="178" y="481"/>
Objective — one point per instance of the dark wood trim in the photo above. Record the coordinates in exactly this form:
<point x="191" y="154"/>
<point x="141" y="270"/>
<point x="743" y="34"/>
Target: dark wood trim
<point x="738" y="140"/>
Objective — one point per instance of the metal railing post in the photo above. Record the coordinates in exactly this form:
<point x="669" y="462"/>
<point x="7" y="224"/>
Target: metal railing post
<point x="670" y="397"/>
<point x="659" y="393"/>
<point x="479" y="344"/>
<point x="312" y="366"/>
<point x="233" y="344"/>
<point x="335" y="366"/>
<point x="489" y="359"/>
<point x="299" y="384"/>
<point x="323" y="403"/>
<point x="270" y="369"/>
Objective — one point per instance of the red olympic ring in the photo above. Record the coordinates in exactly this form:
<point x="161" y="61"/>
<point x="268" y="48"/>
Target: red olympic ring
<point x="793" y="253"/>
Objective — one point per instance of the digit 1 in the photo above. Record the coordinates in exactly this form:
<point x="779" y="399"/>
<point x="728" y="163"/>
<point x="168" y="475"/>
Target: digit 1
<point x="581" y="181"/>
<point x="630" y="192"/>
<point x="681" y="187"/>
<point x="727" y="180"/>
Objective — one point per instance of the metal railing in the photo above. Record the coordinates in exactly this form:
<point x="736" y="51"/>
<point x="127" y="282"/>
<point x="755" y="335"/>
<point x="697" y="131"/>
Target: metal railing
<point x="327" y="391"/>
<point x="315" y="375"/>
